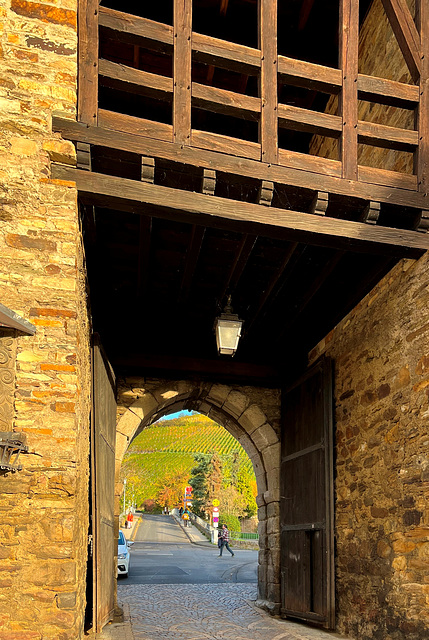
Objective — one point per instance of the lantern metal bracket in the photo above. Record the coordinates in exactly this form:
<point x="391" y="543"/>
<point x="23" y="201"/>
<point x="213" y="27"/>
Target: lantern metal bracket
<point x="11" y="446"/>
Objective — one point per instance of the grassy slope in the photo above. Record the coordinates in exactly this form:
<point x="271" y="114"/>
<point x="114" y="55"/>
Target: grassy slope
<point x="169" y="446"/>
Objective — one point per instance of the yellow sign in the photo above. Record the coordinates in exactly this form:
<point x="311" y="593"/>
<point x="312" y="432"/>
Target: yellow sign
<point x="215" y="502"/>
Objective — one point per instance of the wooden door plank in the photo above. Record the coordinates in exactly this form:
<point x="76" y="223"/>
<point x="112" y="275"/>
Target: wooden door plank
<point x="349" y="42"/>
<point x="423" y="112"/>
<point x="268" y="80"/>
<point x="406" y="33"/>
<point x="88" y="61"/>
<point x="182" y="61"/>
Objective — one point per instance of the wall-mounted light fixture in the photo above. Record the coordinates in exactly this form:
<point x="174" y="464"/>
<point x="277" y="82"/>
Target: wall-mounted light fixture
<point x="11" y="445"/>
<point x="228" y="330"/>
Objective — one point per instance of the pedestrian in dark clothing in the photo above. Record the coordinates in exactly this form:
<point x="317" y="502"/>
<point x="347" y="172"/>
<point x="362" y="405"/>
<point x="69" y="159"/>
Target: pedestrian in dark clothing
<point x="219" y="539"/>
<point x="225" y="541"/>
<point x="180" y="511"/>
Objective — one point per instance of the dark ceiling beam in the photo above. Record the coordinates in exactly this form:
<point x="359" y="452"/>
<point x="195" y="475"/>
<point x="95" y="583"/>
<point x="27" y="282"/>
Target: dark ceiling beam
<point x="304" y="13"/>
<point x="316" y="284"/>
<point x="145" y="235"/>
<point x="270" y="289"/>
<point x="165" y="202"/>
<point x="189" y="367"/>
<point x="238" y="266"/>
<point x="192" y="255"/>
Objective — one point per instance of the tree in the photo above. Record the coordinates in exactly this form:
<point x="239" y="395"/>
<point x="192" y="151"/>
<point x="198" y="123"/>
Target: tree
<point x="198" y="482"/>
<point x="171" y="488"/>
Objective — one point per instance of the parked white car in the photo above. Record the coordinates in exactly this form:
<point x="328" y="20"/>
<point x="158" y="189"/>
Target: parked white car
<point x="123" y="555"/>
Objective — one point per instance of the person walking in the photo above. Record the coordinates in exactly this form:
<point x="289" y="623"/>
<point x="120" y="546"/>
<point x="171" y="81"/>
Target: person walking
<point x="225" y="541"/>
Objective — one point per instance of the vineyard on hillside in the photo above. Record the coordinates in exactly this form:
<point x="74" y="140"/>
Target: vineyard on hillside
<point x="164" y="454"/>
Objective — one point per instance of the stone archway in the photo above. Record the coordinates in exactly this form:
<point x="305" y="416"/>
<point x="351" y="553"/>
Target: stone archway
<point x="243" y="418"/>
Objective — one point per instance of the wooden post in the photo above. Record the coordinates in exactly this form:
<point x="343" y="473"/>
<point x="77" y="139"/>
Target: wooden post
<point x="182" y="63"/>
<point x="268" y="80"/>
<point x="88" y="61"/>
<point x="349" y="49"/>
<point x="423" y="111"/>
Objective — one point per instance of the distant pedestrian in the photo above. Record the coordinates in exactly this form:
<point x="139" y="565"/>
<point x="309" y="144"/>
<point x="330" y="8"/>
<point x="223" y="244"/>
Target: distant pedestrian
<point x="181" y="511"/>
<point x="219" y="539"/>
<point x="225" y="541"/>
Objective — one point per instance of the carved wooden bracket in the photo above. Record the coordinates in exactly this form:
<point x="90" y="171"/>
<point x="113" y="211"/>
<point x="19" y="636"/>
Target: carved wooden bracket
<point x="371" y="213"/>
<point x="320" y="203"/>
<point x="209" y="182"/>
<point x="266" y="192"/>
<point x="148" y="170"/>
<point x="83" y="155"/>
<point x="423" y="225"/>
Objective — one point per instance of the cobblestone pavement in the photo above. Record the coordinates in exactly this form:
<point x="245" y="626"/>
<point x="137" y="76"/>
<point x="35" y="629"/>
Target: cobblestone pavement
<point x="206" y="612"/>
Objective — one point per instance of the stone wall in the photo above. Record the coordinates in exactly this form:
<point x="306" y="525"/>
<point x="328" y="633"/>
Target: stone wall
<point x="44" y="519"/>
<point x="381" y="354"/>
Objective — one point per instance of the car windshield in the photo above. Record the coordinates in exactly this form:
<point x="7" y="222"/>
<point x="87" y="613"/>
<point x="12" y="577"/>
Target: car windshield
<point x="121" y="539"/>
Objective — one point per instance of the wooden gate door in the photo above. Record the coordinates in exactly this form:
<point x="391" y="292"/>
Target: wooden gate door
<point x="103" y="487"/>
<point x="307" y="507"/>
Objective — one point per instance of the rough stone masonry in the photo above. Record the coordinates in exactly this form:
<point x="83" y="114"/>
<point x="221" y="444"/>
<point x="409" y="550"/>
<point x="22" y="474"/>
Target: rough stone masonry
<point x="44" y="507"/>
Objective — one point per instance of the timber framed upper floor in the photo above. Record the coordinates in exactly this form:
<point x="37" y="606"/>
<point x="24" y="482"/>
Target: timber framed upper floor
<point x="265" y="90"/>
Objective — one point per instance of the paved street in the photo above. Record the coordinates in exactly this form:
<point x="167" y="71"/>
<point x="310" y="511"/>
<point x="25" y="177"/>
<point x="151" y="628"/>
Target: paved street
<point x="162" y="554"/>
<point x="178" y="590"/>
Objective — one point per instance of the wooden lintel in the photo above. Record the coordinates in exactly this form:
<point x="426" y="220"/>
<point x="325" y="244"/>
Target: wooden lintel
<point x="165" y="202"/>
<point x="83" y="156"/>
<point x="390" y="191"/>
<point x="266" y="192"/>
<point x="406" y="33"/>
<point x="320" y="203"/>
<point x="371" y="213"/>
<point x="148" y="169"/>
<point x="209" y="182"/>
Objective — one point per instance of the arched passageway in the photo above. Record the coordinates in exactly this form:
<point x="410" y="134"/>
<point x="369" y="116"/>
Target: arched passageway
<point x="244" y="419"/>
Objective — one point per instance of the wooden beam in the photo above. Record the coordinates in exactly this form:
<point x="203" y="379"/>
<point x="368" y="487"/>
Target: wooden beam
<point x="83" y="156"/>
<point x="238" y="266"/>
<point x="139" y="127"/>
<point x="147" y="83"/>
<point x="192" y="255"/>
<point x="145" y="238"/>
<point x="390" y="92"/>
<point x="268" y="293"/>
<point x="298" y="119"/>
<point x="320" y="203"/>
<point x="136" y="30"/>
<point x="371" y="213"/>
<point x="422" y="156"/>
<point x="182" y="61"/>
<point x="317" y="282"/>
<point x="225" y="144"/>
<point x="268" y="80"/>
<point x="226" y="102"/>
<point x="406" y="34"/>
<point x="372" y="186"/>
<point x="166" y="202"/>
<point x="381" y="135"/>
<point x="266" y="192"/>
<point x="148" y="170"/>
<point x="231" y="369"/>
<point x="349" y="43"/>
<point x="208" y="185"/>
<point x="87" y="17"/>
<point x="299" y="73"/>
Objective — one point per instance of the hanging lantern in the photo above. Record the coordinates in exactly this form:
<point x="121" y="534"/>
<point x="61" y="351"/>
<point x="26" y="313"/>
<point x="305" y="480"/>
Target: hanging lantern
<point x="228" y="331"/>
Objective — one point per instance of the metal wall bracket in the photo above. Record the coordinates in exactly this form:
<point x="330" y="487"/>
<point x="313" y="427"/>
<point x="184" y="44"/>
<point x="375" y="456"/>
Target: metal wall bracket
<point x="11" y="445"/>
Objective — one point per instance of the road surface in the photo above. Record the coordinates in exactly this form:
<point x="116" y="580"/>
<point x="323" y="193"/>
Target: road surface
<point x="163" y="554"/>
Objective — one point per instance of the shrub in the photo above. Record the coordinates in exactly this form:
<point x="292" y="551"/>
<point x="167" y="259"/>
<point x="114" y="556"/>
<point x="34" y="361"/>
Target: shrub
<point x="232" y="522"/>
